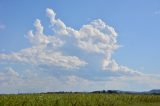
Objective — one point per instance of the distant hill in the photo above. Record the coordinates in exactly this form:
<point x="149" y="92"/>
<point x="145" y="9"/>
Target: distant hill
<point x="154" y="91"/>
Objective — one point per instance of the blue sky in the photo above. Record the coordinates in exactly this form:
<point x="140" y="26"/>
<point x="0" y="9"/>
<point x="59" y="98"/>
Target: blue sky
<point x="72" y="52"/>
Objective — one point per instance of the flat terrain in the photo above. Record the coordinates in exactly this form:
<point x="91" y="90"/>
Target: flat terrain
<point x="80" y="99"/>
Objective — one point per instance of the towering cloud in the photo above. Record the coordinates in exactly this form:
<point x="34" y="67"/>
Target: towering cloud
<point x="52" y="53"/>
<point x="96" y="37"/>
<point x="43" y="52"/>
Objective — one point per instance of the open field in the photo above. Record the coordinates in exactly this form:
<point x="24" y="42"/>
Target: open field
<point x="80" y="99"/>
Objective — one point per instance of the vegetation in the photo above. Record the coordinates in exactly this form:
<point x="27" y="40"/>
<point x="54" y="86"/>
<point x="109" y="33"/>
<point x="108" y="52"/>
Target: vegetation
<point x="79" y="99"/>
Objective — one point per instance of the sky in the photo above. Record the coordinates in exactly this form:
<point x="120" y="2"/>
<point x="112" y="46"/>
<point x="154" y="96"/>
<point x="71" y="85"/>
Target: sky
<point x="84" y="45"/>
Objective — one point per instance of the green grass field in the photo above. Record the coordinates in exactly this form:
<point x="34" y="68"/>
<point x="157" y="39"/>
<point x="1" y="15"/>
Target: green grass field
<point x="69" y="99"/>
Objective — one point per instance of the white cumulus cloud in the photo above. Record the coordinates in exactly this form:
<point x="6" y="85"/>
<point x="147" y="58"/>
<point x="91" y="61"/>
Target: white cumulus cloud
<point x="39" y="38"/>
<point x="43" y="51"/>
<point x="39" y="56"/>
<point x="95" y="37"/>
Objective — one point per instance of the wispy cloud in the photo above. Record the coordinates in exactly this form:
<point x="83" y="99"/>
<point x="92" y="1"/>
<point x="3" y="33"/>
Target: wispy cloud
<point x="157" y="12"/>
<point x="30" y="81"/>
<point x="2" y="26"/>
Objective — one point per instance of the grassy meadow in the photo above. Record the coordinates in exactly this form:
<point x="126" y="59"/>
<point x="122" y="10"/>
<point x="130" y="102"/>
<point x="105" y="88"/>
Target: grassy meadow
<point x="79" y="99"/>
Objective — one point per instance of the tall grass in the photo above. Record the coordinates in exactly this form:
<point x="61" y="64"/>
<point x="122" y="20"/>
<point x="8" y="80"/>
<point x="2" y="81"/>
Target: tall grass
<point x="80" y="99"/>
